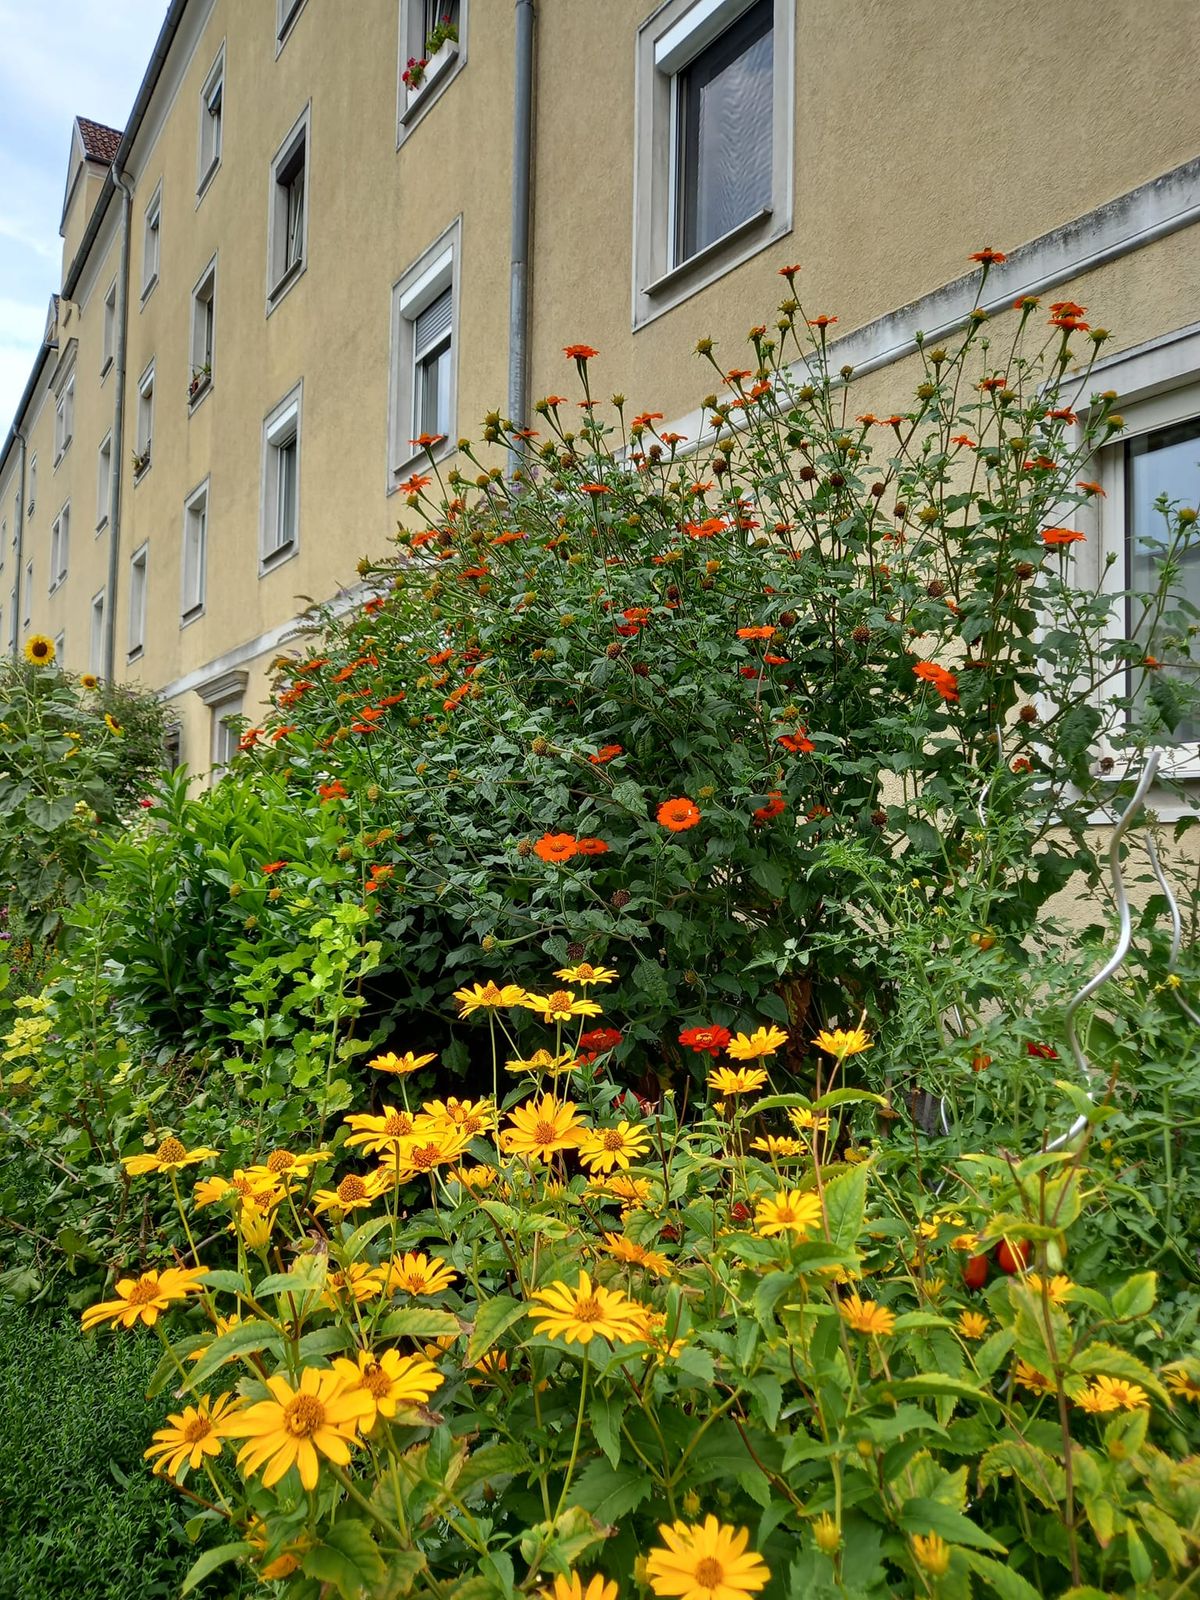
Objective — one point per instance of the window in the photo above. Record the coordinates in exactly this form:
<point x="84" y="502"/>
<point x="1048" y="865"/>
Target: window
<point x="173" y="749"/>
<point x="286" y="12"/>
<point x="28" y="608"/>
<point x="96" y="637"/>
<point x="110" y="328"/>
<point x="424" y="376"/>
<point x="433" y="35"/>
<point x="224" y="696"/>
<point x="145" y="423"/>
<point x="32" y="485"/>
<point x="281" y="481"/>
<point x="204" y="307"/>
<point x="151" y="242"/>
<point x="3" y="543"/>
<point x="103" y="482"/>
<point x="288" y="223"/>
<point x="60" y="531"/>
<point x="195" y="553"/>
<point x="137" y="601"/>
<point x="212" y="108"/>
<point x="715" y="137"/>
<point x="60" y="645"/>
<point x="64" y="420"/>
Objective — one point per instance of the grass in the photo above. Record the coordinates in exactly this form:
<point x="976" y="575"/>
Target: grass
<point x="80" y="1513"/>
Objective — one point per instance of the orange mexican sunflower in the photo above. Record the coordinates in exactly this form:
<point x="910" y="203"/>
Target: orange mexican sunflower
<point x="708" y="529"/>
<point x="765" y="632"/>
<point x="271" y="867"/>
<point x="821" y="322"/>
<point x="415" y="484"/>
<point x="707" y="1039"/>
<point x="579" y="352"/>
<point x="556" y="847"/>
<point x="426" y="441"/>
<point x="678" y="815"/>
<point x="942" y="680"/>
<point x="594" y="488"/>
<point x="332" y="791"/>
<point x="1089" y="487"/>
<point x="1057" y="536"/>
<point x="606" y="752"/>
<point x="591" y="847"/>
<point x="987" y="257"/>
<point x="789" y="272"/>
<point x="798" y="743"/>
<point x="776" y="805"/>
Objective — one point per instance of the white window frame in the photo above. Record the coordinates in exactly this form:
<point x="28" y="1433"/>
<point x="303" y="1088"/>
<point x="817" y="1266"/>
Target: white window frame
<point x="287" y="259"/>
<point x="282" y="430"/>
<point x="109" y="330"/>
<point x="667" y="42"/>
<point x="64" y="419"/>
<point x="27" y="615"/>
<point x="60" y="547"/>
<point x="152" y="242"/>
<point x="203" y="331"/>
<point x="3" y="542"/>
<point x="440" y="71"/>
<point x="212" y="124"/>
<point x="286" y="13"/>
<point x="32" y="496"/>
<point x="195" y="522"/>
<point x="60" y="645"/>
<point x="139" y="574"/>
<point x="225" y="697"/>
<point x="435" y="270"/>
<point x="1158" y="384"/>
<point x="144" y="436"/>
<point x="103" y="482"/>
<point x="96" y="628"/>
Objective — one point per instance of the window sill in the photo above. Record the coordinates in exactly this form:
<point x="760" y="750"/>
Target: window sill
<point x="289" y="23"/>
<point x="101" y="525"/>
<point x="57" y="584"/>
<point x="415" y="462"/>
<point x="191" y="616"/>
<point x="135" y="654"/>
<point x="289" y="279"/>
<point x="277" y="558"/>
<point x="105" y="368"/>
<point x="196" y="395"/>
<point x="140" y="472"/>
<point x="148" y="289"/>
<point x="709" y="254"/>
<point x="440" y="69"/>
<point x="211" y="172"/>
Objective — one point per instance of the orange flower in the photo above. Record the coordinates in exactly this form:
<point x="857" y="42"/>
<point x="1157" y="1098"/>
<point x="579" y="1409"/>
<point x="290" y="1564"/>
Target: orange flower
<point x="795" y="742"/>
<point x="591" y="847"/>
<point x="679" y="814"/>
<point x="756" y="633"/>
<point x="556" y="847"/>
<point x="606" y="752"/>
<point x="789" y="272"/>
<point x="821" y="322"/>
<point x="273" y="867"/>
<point x="1089" y="487"/>
<point x="943" y="681"/>
<point x="1061" y="414"/>
<point x="987" y="257"/>
<point x="426" y="441"/>
<point x="415" y="484"/>
<point x="453" y="699"/>
<point x="579" y="352"/>
<point x="1057" y="536"/>
<point x="332" y="791"/>
<point x="594" y="488"/>
<point x="707" y="529"/>
<point x="774" y="807"/>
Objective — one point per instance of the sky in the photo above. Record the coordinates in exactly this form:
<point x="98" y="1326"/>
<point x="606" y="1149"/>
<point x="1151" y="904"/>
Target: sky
<point x="59" y="59"/>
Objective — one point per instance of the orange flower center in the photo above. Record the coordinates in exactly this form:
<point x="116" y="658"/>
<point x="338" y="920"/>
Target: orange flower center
<point x="397" y="1124"/>
<point x="585" y="972"/>
<point x="280" y="1161"/>
<point x="560" y="1000"/>
<point x="614" y="1140"/>
<point x="425" y="1156"/>
<point x="588" y="1309"/>
<point x="303" y="1416"/>
<point x="171" y="1150"/>
<point x="545" y="1133"/>
<point x="709" y="1573"/>
<point x="244" y="1187"/>
<point x="352" y="1188"/>
<point x="490" y="995"/>
<point x="198" y="1428"/>
<point x="143" y="1291"/>
<point x="376" y="1381"/>
<point x="415" y="1282"/>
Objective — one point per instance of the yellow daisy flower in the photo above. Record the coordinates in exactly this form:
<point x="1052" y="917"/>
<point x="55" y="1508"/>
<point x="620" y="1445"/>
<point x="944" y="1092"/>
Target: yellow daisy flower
<point x="842" y="1042"/>
<point x="419" y="1274"/>
<point x="545" y="1061"/>
<point x="488" y="997"/>
<point x="931" y="1553"/>
<point x="1030" y="1378"/>
<point x="296" y="1426"/>
<point x="790" y="1211"/>
<point x="189" y="1436"/>
<point x="1182" y="1382"/>
<point x="477" y="1177"/>
<point x="806" y="1121"/>
<point x="352" y="1194"/>
<point x="635" y="1255"/>
<point x="866" y="1316"/>
<point x="754" y="1046"/>
<point x="560" y="1006"/>
<point x="382" y="1131"/>
<point x="401" y="1065"/>
<point x="143" y="1299"/>
<point x="602" y="1149"/>
<point x="629" y="1191"/>
<point x="245" y="1184"/>
<point x="1125" y="1396"/>
<point x="826" y="1534"/>
<point x="705" y="1561"/>
<point x="541" y="1127"/>
<point x="1095" y="1401"/>
<point x="390" y="1380"/>
<point x="973" y="1325"/>
<point x="40" y="651"/>
<point x="283" y="1163"/>
<point x="778" y="1146"/>
<point x="472" y="1117"/>
<point x="424" y="1150"/>
<point x="1057" y="1289"/>
<point x="586" y="1312"/>
<point x="585" y="974"/>
<point x="256" y="1223"/>
<point x="359" y="1282"/>
<point x="744" y="1081"/>
<point x="169" y="1157"/>
<point x="599" y="1588"/>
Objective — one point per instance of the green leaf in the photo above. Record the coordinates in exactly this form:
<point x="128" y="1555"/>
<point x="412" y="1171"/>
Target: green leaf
<point x="1136" y="1296"/>
<point x="491" y="1320"/>
<point x="418" y="1323"/>
<point x="931" y="1516"/>
<point x="488" y="1462"/>
<point x="1041" y="1474"/>
<point x="847" y="1097"/>
<point x="1009" y="1585"/>
<point x="211" y="1560"/>
<point x="845" y="1206"/>
<point x="932" y="1383"/>
<point x="348" y="1558"/>
<point x="246" y="1339"/>
<point x="610" y="1493"/>
<point x="606" y="1412"/>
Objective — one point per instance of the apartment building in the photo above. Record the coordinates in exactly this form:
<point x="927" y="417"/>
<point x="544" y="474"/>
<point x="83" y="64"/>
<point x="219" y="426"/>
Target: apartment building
<point x="301" y="253"/>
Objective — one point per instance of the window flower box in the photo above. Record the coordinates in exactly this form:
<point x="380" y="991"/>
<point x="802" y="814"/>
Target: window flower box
<point x="421" y="73"/>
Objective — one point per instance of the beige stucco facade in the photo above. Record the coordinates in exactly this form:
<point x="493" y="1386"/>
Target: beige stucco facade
<point x="902" y="136"/>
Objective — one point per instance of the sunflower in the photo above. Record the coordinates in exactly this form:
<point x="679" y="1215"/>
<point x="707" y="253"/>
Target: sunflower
<point x="389" y="1380"/>
<point x="190" y="1435"/>
<point x="973" y="1325"/>
<point x="866" y="1316"/>
<point x="605" y="1148"/>
<point x="560" y="1006"/>
<point x="419" y="1274"/>
<point x="113" y="726"/>
<point x="381" y="1132"/>
<point x="169" y="1157"/>
<point x="89" y="680"/>
<point x="571" y="1588"/>
<point x="635" y="1255"/>
<point x="584" y="973"/>
<point x="400" y="1065"/>
<point x="586" y="1312"/>
<point x="790" y="1211"/>
<point x="488" y="997"/>
<point x="350" y="1195"/>
<point x="678" y="815"/>
<point x="778" y="1146"/>
<point x="744" y="1081"/>
<point x="540" y="1127"/>
<point x="705" y="1561"/>
<point x="290" y="1428"/>
<point x="931" y="1553"/>
<point x="842" y="1042"/>
<point x="40" y="651"/>
<point x="359" y="1282"/>
<point x="754" y="1046"/>
<point x="141" y="1299"/>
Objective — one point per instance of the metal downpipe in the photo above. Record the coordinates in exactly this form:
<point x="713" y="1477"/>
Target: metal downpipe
<point x="116" y="477"/>
<point x="518" y="293"/>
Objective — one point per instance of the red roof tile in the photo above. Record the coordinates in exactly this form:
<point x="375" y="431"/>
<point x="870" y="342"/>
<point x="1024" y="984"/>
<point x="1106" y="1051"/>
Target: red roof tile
<point x="99" y="143"/>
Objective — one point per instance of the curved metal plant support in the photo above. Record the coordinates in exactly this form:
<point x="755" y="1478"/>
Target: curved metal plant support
<point x="1176" y="924"/>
